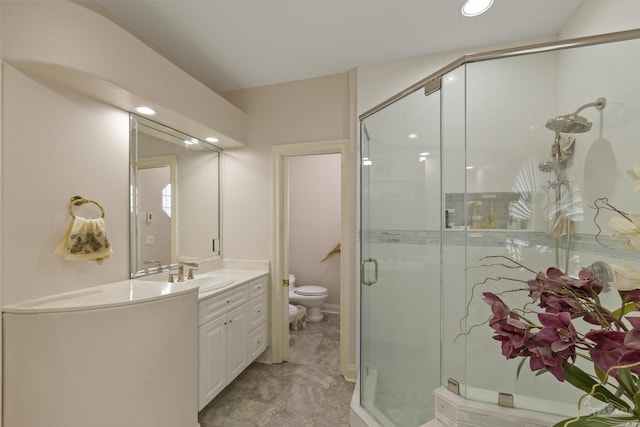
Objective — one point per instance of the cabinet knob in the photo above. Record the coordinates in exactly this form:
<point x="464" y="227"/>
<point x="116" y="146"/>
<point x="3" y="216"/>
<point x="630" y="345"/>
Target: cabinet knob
<point x="228" y="301"/>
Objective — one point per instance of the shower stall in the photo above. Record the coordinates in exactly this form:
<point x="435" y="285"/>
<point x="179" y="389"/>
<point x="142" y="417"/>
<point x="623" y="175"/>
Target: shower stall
<point x="499" y="154"/>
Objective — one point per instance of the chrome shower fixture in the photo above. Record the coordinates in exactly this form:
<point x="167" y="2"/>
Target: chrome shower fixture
<point x="573" y="123"/>
<point x="547" y="167"/>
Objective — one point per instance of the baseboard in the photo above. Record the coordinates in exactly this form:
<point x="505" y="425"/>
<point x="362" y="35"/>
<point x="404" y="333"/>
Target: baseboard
<point x="350" y="373"/>
<point x="331" y="308"/>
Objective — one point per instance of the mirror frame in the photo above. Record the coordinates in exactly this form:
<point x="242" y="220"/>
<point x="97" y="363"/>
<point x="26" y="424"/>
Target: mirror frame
<point x="136" y="270"/>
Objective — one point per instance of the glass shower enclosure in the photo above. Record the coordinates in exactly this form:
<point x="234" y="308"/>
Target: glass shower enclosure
<point x="496" y="156"/>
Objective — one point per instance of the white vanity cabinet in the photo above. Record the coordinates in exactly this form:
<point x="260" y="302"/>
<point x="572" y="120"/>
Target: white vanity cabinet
<point x="232" y="332"/>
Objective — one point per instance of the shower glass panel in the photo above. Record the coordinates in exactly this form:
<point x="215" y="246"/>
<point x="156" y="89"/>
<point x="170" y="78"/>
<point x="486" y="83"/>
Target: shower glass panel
<point x="530" y="185"/>
<point x="511" y="179"/>
<point x="400" y="271"/>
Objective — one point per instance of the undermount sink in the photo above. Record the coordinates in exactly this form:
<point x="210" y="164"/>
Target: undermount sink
<point x="212" y="281"/>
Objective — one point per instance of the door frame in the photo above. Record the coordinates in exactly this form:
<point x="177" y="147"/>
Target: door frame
<point x="279" y="270"/>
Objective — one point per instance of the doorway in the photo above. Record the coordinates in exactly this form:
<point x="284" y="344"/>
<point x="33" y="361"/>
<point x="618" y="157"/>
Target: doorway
<point x="280" y="268"/>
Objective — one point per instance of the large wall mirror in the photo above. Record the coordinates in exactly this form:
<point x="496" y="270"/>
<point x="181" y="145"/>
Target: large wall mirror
<point x="175" y="198"/>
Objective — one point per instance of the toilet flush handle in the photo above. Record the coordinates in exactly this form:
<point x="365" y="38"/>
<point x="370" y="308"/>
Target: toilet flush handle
<point x="375" y="272"/>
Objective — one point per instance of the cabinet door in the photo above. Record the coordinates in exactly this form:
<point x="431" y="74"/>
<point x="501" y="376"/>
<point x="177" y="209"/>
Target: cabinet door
<point x="237" y="341"/>
<point x="257" y="342"/>
<point x="213" y="359"/>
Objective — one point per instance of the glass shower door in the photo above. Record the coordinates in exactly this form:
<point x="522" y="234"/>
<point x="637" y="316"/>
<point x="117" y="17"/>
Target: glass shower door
<point x="401" y="218"/>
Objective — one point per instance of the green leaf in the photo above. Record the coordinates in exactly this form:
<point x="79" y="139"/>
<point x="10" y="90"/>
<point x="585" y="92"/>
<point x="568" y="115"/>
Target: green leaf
<point x="627" y="378"/>
<point x="520" y="367"/>
<point x="541" y="371"/>
<point x="585" y="382"/>
<point x="599" y="373"/>
<point x="627" y="308"/>
<point x="592" y="420"/>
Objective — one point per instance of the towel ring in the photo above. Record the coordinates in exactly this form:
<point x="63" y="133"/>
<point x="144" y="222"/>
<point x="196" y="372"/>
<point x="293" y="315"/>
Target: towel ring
<point x="79" y="201"/>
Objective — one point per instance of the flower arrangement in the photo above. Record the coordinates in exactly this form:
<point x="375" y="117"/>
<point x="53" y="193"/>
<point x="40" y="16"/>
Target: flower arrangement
<point x="550" y="336"/>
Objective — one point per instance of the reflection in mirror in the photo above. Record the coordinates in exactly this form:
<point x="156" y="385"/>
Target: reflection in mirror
<point x="175" y="206"/>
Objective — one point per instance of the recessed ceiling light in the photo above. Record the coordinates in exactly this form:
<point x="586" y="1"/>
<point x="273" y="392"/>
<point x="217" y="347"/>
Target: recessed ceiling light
<point x="212" y="139"/>
<point x="469" y="167"/>
<point x="191" y="141"/>
<point x="146" y="111"/>
<point x="413" y="136"/>
<point x="475" y="7"/>
<point x="425" y="154"/>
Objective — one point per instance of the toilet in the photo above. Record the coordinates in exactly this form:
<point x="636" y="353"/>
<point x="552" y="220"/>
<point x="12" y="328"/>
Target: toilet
<point x="310" y="296"/>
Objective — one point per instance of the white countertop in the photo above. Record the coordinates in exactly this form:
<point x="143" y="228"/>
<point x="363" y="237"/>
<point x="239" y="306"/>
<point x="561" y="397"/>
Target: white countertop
<point x="127" y="292"/>
<point x="114" y="294"/>
<point x="240" y="277"/>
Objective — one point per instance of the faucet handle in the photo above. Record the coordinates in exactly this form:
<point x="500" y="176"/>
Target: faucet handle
<point x="170" y="280"/>
<point x="191" y="270"/>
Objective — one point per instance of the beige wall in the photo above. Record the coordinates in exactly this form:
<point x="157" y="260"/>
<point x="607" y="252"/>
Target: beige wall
<point x="320" y="109"/>
<point x="58" y="145"/>
<point x="314" y="222"/>
<point x="302" y="111"/>
<point x="599" y="17"/>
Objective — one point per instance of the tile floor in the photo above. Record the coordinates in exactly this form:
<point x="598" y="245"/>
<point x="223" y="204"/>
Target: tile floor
<point x="306" y="391"/>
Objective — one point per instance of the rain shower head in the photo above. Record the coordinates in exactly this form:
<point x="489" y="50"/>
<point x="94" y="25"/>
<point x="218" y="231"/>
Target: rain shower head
<point x="569" y="123"/>
<point x="573" y="123"/>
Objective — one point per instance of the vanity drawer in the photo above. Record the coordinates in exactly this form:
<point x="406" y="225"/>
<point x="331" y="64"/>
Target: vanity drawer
<point x="220" y="304"/>
<point x="257" y="341"/>
<point x="257" y="287"/>
<point x="257" y="311"/>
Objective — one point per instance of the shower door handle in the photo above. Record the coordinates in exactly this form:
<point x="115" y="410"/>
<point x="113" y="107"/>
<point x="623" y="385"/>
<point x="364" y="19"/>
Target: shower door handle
<point x="375" y="272"/>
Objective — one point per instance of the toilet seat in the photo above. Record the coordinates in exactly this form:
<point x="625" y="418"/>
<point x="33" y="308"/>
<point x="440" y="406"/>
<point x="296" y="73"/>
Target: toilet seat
<point x="311" y="290"/>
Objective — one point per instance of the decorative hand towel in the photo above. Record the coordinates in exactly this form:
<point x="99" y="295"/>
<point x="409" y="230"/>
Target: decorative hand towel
<point x="85" y="239"/>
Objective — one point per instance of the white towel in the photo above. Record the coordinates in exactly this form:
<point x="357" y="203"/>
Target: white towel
<point x="85" y="239"/>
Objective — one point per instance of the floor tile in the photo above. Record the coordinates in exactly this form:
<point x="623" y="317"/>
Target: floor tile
<point x="306" y="391"/>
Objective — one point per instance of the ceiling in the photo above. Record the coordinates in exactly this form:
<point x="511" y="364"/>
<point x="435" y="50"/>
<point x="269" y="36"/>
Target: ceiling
<point x="237" y="44"/>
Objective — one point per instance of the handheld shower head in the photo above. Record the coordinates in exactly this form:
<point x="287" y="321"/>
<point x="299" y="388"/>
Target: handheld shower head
<point x="546" y="167"/>
<point x="573" y="123"/>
